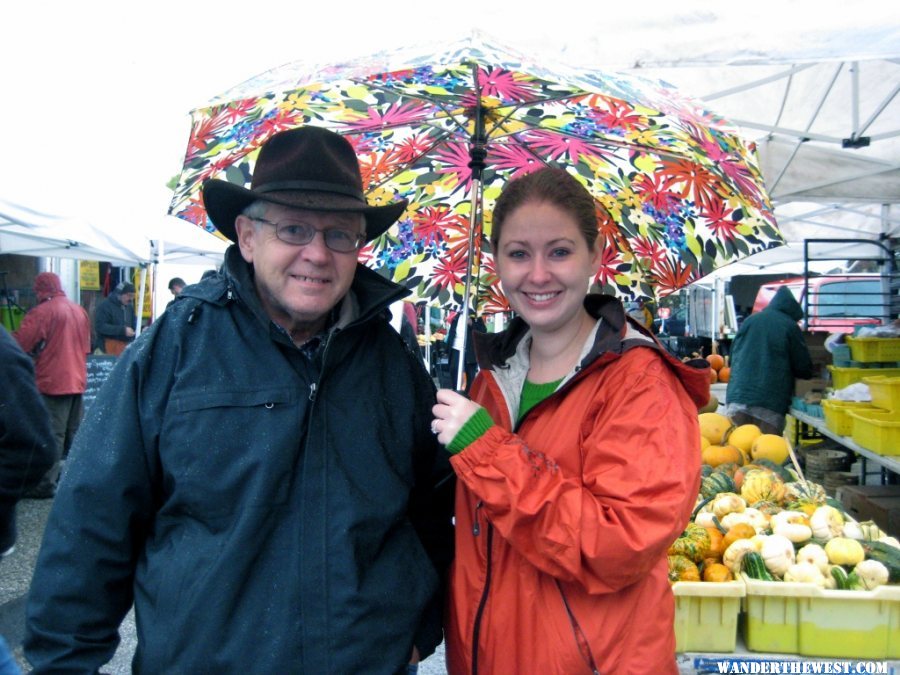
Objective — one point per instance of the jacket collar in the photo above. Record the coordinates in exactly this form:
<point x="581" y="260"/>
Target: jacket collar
<point x="614" y="334"/>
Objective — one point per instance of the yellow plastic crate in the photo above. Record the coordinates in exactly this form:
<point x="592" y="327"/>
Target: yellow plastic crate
<point x="706" y="615"/>
<point x="801" y="618"/>
<point x="844" y="377"/>
<point x="877" y="430"/>
<point x="868" y="349"/>
<point x="836" y="417"/>
<point x="885" y="391"/>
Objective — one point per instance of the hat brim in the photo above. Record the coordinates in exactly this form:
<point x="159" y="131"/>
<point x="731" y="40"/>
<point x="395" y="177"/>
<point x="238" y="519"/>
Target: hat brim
<point x="225" y="201"/>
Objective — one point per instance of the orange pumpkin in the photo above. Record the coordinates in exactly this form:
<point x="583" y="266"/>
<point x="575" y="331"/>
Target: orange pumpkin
<point x="716" y="543"/>
<point x="724" y="374"/>
<point x="714" y="455"/>
<point x="717" y="572"/>
<point x="715" y="361"/>
<point x="739" y="531"/>
<point x="713" y="378"/>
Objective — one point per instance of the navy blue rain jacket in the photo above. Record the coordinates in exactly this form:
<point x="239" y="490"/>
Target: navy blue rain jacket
<point x="266" y="513"/>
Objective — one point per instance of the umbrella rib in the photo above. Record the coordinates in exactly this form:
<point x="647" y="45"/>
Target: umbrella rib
<point x="514" y="107"/>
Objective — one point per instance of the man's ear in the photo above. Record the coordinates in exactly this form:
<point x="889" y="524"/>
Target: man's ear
<point x="245" y="229"/>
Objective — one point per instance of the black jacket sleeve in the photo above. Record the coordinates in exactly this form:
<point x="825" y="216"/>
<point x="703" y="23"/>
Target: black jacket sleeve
<point x="26" y="438"/>
<point x="83" y="579"/>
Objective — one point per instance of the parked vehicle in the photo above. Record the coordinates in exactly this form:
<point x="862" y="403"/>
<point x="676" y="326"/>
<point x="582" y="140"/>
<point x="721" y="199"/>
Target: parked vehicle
<point x="836" y="304"/>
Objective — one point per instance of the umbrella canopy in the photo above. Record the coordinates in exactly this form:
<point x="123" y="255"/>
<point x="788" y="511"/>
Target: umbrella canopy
<point x="678" y="192"/>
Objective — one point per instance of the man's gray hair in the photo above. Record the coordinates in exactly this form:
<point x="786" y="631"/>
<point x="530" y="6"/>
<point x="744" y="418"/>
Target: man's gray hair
<point x="256" y="209"/>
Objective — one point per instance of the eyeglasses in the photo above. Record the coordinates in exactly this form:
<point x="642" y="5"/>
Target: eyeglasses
<point x="299" y="233"/>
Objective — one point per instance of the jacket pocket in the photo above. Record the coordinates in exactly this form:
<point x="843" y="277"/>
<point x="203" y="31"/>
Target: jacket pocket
<point x="225" y="451"/>
<point x="204" y="399"/>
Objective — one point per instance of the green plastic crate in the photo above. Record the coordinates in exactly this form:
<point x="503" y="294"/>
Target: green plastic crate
<point x="801" y="618"/>
<point x="706" y="615"/>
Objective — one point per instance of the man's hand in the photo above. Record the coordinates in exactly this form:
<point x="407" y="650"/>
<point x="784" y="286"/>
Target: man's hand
<point x="451" y="412"/>
<point x="414" y="657"/>
<point x="129" y="331"/>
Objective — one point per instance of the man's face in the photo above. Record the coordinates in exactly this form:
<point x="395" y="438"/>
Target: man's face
<point x="298" y="285"/>
<point x="126" y="298"/>
<point x="176" y="290"/>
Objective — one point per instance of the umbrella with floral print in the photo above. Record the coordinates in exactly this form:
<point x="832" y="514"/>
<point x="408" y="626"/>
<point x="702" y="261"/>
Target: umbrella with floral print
<point x="678" y="192"/>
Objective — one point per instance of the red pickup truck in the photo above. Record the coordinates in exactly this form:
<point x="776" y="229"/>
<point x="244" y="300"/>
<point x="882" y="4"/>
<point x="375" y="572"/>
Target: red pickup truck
<point x="836" y="304"/>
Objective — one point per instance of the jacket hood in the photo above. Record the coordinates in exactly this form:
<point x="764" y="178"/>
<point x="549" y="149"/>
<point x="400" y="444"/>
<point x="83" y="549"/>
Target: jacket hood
<point x="615" y="335"/>
<point x="785" y="302"/>
<point x="47" y="285"/>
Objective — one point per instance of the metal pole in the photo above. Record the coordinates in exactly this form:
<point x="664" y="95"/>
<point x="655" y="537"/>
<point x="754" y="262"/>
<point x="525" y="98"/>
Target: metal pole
<point x="477" y="153"/>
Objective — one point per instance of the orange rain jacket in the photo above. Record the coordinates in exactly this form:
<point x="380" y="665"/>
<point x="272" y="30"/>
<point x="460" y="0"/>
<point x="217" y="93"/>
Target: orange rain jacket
<point x="563" y="521"/>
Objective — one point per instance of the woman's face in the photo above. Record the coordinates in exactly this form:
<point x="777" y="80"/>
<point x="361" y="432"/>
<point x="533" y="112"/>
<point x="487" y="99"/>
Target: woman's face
<point x="545" y="266"/>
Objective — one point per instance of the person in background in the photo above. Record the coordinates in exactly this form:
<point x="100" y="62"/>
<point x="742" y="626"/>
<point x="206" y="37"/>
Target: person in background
<point x="26" y="450"/>
<point x="114" y="320"/>
<point x="767" y="354"/>
<point x="26" y="437"/>
<point x="176" y="285"/>
<point x="257" y="477"/>
<point x="57" y="334"/>
<point x="577" y="460"/>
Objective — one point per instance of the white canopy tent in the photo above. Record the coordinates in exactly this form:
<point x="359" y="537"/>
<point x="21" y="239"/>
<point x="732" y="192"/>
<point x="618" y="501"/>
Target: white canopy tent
<point x="25" y="231"/>
<point x="822" y="102"/>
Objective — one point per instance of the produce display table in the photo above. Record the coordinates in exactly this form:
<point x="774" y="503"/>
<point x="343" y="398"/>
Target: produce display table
<point x="890" y="463"/>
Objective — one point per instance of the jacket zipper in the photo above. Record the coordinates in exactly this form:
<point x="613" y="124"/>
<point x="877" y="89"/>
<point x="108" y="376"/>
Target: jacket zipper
<point x="581" y="642"/>
<point x="476" y="531"/>
<point x="476" y="629"/>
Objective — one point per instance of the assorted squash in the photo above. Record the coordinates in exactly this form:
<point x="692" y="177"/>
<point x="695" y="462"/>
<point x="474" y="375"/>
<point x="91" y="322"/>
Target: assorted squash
<point x="755" y="516"/>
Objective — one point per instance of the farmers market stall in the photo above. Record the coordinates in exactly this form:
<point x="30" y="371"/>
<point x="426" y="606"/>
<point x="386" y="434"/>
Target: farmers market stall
<point x="772" y="568"/>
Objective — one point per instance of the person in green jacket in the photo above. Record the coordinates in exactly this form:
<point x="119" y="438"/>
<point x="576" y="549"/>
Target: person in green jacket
<point x="767" y="354"/>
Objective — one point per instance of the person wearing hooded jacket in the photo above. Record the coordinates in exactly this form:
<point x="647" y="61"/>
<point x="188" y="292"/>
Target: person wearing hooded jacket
<point x="257" y="475"/>
<point x="26" y="437"/>
<point x="577" y="461"/>
<point x="767" y="354"/>
<point x="26" y="450"/>
<point x="114" y="320"/>
<point x="57" y="333"/>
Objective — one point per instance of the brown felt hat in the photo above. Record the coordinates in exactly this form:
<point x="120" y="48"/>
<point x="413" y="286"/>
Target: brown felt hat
<point x="308" y="168"/>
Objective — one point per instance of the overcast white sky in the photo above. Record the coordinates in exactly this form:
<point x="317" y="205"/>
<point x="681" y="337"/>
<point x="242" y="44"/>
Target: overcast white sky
<point x="96" y="94"/>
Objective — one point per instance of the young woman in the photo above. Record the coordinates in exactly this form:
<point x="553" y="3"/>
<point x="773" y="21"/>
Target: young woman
<point x="578" y="461"/>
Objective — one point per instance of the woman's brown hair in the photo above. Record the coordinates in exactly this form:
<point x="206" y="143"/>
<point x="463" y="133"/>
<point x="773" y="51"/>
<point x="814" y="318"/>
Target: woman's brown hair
<point x="550" y="186"/>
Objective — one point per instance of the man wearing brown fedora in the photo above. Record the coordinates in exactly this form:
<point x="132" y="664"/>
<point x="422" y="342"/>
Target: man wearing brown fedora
<point x="258" y="476"/>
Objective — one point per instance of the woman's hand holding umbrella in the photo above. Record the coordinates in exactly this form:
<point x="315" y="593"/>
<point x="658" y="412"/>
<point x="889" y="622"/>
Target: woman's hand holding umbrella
<point x="451" y="412"/>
